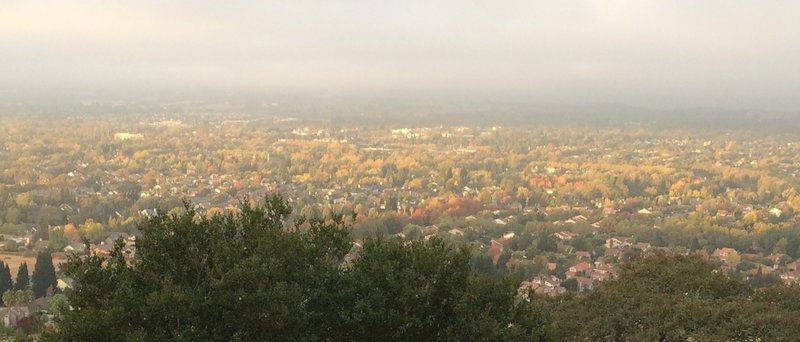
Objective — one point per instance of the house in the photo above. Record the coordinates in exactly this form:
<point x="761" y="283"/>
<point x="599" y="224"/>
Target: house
<point x="64" y="283"/>
<point x="103" y="249"/>
<point x="114" y="236"/>
<point x="495" y="250"/>
<point x="549" y="285"/>
<point x="565" y="235"/>
<point x="776" y="212"/>
<point x="149" y="213"/>
<point x="617" y="242"/>
<point x="580" y="218"/>
<point x="583" y="255"/>
<point x="603" y="272"/>
<point x="456" y="231"/>
<point x="644" y="211"/>
<point x="791" y="276"/>
<point x="609" y="211"/>
<point x="643" y="246"/>
<point x="431" y="230"/>
<point x="17" y="239"/>
<point x="122" y="136"/>
<point x="778" y="259"/>
<point x="794" y="265"/>
<point x="722" y="253"/>
<point x="581" y="268"/>
<point x="76" y="247"/>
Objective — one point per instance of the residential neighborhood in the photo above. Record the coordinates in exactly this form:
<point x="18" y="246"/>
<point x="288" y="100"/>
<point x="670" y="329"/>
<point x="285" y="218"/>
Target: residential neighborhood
<point x="560" y="210"/>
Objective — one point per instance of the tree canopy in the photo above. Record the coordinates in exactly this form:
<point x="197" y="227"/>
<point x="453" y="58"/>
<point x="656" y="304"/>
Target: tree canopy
<point x="675" y="298"/>
<point x="256" y="275"/>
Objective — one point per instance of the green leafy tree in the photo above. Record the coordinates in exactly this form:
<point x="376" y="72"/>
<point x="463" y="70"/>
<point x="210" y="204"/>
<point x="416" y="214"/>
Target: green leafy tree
<point x="13" y="215"/>
<point x="16" y="299"/>
<point x="733" y="258"/>
<point x="247" y="276"/>
<point x="11" y="246"/>
<point x="257" y="275"/>
<point x="58" y="240"/>
<point x="656" y="298"/>
<point x="780" y="246"/>
<point x="425" y="290"/>
<point x="547" y="243"/>
<point x="58" y="305"/>
<point x="571" y="285"/>
<point x="8" y="298"/>
<point x="44" y="275"/>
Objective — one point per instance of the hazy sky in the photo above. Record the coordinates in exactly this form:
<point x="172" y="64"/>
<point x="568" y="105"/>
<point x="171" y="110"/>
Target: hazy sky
<point x="739" y="54"/>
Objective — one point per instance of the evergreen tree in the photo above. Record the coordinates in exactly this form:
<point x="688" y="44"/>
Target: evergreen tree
<point x="44" y="274"/>
<point x="23" y="278"/>
<point x="5" y="278"/>
<point x="8" y="282"/>
<point x="694" y="244"/>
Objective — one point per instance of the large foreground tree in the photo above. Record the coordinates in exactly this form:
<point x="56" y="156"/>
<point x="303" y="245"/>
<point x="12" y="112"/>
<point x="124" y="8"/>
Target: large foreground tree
<point x="254" y="276"/>
<point x="663" y="297"/>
